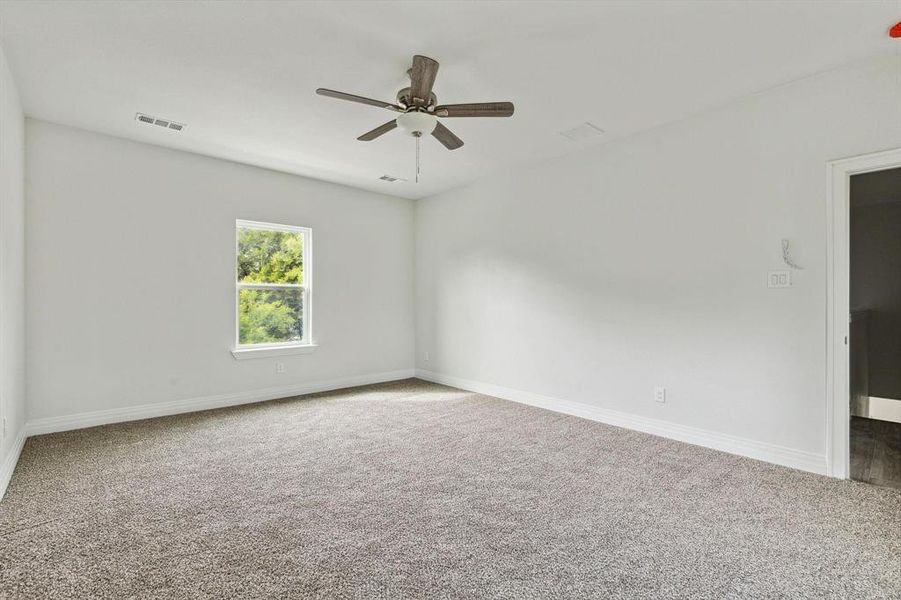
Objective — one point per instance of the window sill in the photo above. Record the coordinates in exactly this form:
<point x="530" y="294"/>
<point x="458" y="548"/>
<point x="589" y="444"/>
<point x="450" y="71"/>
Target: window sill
<point x="269" y="351"/>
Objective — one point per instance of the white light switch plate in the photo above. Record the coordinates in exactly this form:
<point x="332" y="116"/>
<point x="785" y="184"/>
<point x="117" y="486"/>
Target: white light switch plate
<point x="779" y="279"/>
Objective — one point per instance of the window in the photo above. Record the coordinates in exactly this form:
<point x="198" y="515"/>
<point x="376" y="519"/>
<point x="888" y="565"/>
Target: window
<point x="272" y="287"/>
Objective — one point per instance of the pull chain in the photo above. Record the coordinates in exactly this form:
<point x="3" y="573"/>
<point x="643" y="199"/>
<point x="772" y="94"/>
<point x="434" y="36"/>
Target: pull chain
<point x="418" y="136"/>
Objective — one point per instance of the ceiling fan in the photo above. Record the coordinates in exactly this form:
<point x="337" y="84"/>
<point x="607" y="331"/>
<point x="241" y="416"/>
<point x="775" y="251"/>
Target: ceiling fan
<point x="419" y="109"/>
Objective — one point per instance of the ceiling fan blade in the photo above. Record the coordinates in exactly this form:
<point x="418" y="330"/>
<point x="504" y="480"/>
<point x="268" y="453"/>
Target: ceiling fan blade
<point x="477" y="109"/>
<point x="359" y="99"/>
<point x="422" y="77"/>
<point x="446" y="137"/>
<point x="380" y="130"/>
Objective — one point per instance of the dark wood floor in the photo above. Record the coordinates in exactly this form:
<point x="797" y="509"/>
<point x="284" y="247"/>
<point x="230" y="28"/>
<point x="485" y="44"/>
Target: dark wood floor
<point x="876" y="452"/>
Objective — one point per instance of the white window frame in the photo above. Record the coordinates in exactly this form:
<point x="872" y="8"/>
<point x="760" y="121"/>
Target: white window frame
<point x="302" y="346"/>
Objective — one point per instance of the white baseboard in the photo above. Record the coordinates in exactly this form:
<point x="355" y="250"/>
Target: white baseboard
<point x="162" y="409"/>
<point x="885" y="409"/>
<point x="788" y="457"/>
<point x="9" y="463"/>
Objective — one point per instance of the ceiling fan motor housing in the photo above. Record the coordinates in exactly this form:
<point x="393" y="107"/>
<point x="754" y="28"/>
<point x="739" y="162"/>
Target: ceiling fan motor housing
<point x="417" y="123"/>
<point x="405" y="98"/>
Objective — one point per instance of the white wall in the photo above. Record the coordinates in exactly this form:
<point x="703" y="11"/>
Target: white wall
<point x="12" y="269"/>
<point x="131" y="274"/>
<point x="597" y="277"/>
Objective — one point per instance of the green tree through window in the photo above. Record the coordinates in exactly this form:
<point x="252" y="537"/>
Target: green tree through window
<point x="266" y="256"/>
<point x="271" y="285"/>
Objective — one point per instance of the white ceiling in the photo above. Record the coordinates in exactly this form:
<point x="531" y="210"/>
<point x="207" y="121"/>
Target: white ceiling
<point x="243" y="75"/>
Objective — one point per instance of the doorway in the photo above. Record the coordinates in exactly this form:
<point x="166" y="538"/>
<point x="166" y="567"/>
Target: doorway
<point x="875" y="327"/>
<point x="864" y="319"/>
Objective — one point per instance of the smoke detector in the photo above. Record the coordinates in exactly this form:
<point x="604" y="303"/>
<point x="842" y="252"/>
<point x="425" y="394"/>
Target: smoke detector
<point x="158" y="122"/>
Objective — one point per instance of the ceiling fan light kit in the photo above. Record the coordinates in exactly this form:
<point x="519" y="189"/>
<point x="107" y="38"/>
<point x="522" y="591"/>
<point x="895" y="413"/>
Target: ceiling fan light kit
<point x="417" y="123"/>
<point x="419" y="109"/>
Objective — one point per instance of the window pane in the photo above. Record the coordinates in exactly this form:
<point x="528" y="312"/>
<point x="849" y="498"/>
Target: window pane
<point x="269" y="256"/>
<point x="270" y="316"/>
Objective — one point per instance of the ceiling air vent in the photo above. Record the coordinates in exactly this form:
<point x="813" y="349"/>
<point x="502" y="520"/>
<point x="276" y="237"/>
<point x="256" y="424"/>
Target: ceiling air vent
<point x="391" y="178"/>
<point x="164" y="123"/>
<point x="583" y="132"/>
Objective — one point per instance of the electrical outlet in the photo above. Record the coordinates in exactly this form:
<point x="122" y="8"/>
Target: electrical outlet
<point x="660" y="394"/>
<point x="426" y="356"/>
<point x="279" y="367"/>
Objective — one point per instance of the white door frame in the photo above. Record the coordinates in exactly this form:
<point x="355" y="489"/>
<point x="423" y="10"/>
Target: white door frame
<point x="838" y="279"/>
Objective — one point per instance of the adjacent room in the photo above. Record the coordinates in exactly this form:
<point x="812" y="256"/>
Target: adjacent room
<point x="451" y="299"/>
<point x="875" y="327"/>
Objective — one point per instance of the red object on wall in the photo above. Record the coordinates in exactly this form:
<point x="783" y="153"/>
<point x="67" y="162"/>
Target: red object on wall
<point x="895" y="31"/>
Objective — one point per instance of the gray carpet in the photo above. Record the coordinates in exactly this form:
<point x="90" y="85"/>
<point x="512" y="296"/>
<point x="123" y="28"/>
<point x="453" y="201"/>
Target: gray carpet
<point x="413" y="490"/>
